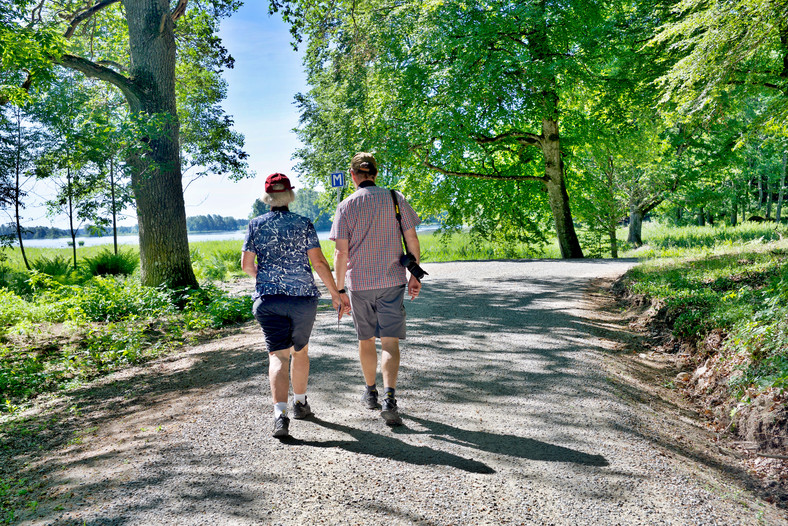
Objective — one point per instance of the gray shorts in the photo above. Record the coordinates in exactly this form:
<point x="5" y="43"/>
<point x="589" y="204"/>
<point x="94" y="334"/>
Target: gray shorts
<point x="379" y="313"/>
<point x="286" y="321"/>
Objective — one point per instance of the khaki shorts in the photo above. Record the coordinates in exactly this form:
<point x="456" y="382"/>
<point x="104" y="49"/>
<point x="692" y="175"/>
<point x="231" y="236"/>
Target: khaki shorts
<point x="379" y="313"/>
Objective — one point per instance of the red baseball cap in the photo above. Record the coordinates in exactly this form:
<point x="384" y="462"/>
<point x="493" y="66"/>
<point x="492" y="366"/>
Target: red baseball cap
<point x="277" y="183"/>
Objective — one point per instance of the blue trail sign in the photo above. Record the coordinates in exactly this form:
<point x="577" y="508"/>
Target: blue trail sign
<point x="337" y="179"/>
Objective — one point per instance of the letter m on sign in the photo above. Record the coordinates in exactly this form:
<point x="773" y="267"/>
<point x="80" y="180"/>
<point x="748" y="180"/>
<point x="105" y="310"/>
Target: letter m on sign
<point x="337" y="179"/>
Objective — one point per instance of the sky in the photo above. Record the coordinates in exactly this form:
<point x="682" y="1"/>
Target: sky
<point x="267" y="75"/>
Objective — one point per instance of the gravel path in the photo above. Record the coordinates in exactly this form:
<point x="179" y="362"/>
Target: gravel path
<point x="509" y="419"/>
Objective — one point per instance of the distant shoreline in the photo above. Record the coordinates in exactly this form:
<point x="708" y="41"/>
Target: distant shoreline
<point x="133" y="239"/>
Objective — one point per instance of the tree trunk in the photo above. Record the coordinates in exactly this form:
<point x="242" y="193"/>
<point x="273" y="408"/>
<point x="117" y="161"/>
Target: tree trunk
<point x="611" y="232"/>
<point x="701" y="217"/>
<point x="781" y="190"/>
<point x="556" y="190"/>
<point x="73" y="232"/>
<point x="635" y="225"/>
<point x="112" y="203"/>
<point x="18" y="189"/>
<point x="734" y="210"/>
<point x="769" y="197"/>
<point x="156" y="173"/>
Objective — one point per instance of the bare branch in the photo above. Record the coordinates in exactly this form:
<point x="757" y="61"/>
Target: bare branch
<point x="179" y="10"/>
<point x="35" y="14"/>
<point x="521" y="137"/>
<point x="477" y="175"/>
<point x="112" y="64"/>
<point x="91" y="69"/>
<point x="87" y="13"/>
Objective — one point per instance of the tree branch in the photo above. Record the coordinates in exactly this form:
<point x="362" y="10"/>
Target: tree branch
<point x="87" y="13"/>
<point x="522" y="138"/>
<point x="91" y="69"/>
<point x="179" y="10"/>
<point x="112" y="64"/>
<point x="477" y="175"/>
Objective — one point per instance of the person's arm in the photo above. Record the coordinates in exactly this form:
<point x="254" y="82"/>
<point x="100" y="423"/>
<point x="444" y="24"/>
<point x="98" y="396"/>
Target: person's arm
<point x="248" y="263"/>
<point x="412" y="243"/>
<point x="320" y="265"/>
<point x="341" y="252"/>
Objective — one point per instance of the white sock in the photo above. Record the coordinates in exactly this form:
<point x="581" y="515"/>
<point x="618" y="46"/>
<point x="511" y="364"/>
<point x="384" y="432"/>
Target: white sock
<point x="280" y="408"/>
<point x="299" y="398"/>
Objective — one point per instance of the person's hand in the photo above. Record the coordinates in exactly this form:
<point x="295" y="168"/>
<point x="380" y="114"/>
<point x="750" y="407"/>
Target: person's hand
<point x="414" y="287"/>
<point x="341" y="303"/>
<point x="345" y="304"/>
<point x="336" y="301"/>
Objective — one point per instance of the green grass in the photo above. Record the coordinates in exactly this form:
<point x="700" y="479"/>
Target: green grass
<point x="738" y="287"/>
<point x="63" y="334"/>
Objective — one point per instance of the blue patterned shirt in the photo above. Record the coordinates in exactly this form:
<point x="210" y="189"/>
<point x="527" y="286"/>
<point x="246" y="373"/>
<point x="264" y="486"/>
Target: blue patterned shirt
<point x="280" y="239"/>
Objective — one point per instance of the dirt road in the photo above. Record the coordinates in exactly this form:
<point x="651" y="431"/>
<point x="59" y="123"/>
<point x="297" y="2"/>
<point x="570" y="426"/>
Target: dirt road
<point x="509" y="416"/>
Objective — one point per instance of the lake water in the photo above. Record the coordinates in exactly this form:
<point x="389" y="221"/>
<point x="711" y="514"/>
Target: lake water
<point x="134" y="239"/>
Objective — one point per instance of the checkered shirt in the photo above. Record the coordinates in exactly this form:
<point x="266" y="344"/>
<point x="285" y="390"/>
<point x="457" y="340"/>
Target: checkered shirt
<point x="280" y="240"/>
<point x="368" y="221"/>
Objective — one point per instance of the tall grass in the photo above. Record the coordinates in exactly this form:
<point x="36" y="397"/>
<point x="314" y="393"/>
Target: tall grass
<point x="662" y="241"/>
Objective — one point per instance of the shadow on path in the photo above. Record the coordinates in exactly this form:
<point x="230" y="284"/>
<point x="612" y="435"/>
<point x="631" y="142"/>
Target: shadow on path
<point x="511" y="445"/>
<point x="383" y="446"/>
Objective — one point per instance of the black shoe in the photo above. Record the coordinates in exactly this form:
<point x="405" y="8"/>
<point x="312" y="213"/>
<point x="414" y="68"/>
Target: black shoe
<point x="281" y="426"/>
<point x="301" y="410"/>
<point x="370" y="399"/>
<point x="390" y="413"/>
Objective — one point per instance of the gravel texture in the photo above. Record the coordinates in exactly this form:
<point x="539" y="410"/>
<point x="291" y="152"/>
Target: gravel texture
<point x="509" y="418"/>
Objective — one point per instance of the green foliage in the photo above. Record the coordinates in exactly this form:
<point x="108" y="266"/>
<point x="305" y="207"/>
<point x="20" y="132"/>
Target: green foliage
<point x="57" y="266"/>
<point x="670" y="241"/>
<point x="739" y="288"/>
<point x="14" y="279"/>
<point x="219" y="263"/>
<point x="106" y="262"/>
<point x="214" y="223"/>
<point x="210" y="307"/>
<point x="111" y="322"/>
<point x="112" y="345"/>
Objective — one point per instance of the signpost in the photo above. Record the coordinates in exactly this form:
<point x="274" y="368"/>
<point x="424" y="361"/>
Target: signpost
<point x="338" y="182"/>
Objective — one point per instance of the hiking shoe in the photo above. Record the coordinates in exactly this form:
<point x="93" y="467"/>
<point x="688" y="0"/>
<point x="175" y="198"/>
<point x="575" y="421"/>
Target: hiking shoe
<point x="281" y="426"/>
<point x="370" y="399"/>
<point x="390" y="413"/>
<point x="301" y="410"/>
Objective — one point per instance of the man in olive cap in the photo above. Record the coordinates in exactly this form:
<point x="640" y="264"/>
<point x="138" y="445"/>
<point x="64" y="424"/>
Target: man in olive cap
<point x="367" y="265"/>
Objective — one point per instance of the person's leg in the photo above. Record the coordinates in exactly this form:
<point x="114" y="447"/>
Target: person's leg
<point x="299" y="370"/>
<point x="368" y="355"/>
<point x="278" y="366"/>
<point x="389" y="366"/>
<point x="389" y="361"/>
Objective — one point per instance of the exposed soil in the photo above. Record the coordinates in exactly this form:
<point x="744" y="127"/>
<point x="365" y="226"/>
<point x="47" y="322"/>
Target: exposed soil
<point x="689" y="383"/>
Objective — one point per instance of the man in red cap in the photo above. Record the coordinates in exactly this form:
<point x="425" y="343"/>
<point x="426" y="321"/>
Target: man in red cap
<point x="367" y="261"/>
<point x="277" y="251"/>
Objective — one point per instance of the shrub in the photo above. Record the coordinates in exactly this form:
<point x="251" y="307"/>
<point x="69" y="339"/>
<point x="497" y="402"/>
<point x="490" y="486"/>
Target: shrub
<point x="107" y="262"/>
<point x="14" y="280"/>
<point x="105" y="298"/>
<point x="212" y="307"/>
<point x="55" y="266"/>
<point x="220" y="262"/>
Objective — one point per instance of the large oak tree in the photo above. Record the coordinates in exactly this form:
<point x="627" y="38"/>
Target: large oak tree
<point x="132" y="45"/>
<point x="450" y="90"/>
